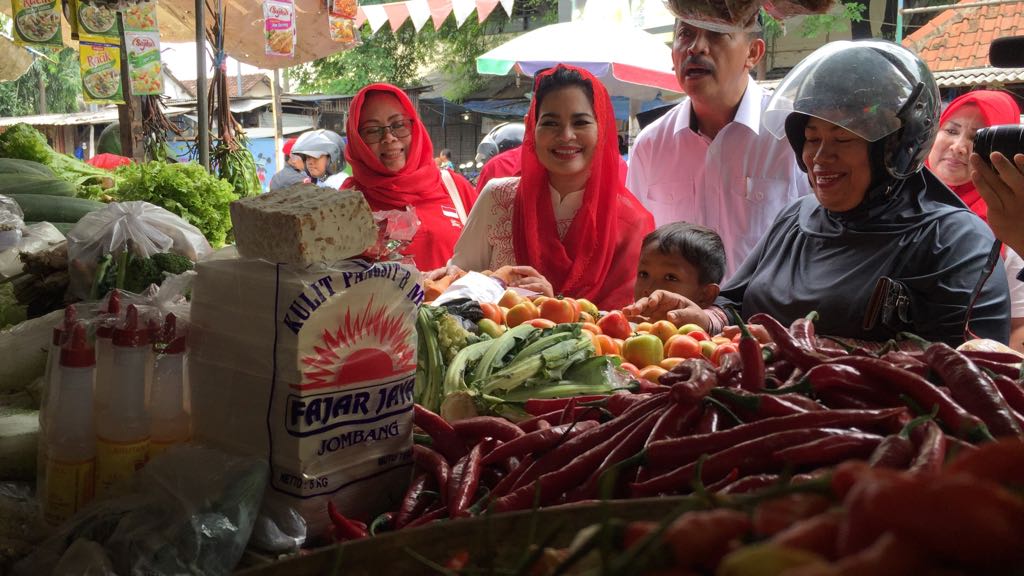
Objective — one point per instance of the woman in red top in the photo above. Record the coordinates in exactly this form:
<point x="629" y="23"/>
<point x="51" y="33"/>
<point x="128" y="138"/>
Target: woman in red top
<point x="393" y="165"/>
<point x="568" y="225"/>
<point x="955" y="141"/>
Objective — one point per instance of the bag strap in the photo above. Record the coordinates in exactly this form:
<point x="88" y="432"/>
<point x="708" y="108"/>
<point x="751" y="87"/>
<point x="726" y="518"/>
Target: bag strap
<point x="453" y="192"/>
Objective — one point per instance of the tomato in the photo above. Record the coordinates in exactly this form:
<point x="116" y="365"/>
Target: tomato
<point x="687" y="328"/>
<point x="682" y="346"/>
<point x="520" y="313"/>
<point x="510" y="298"/>
<point x="542" y="323"/>
<point x="575" y="306"/>
<point x="699" y="335"/>
<point x="490" y="327"/>
<point x="721" y="351"/>
<point x="608" y="345"/>
<point x="630" y="368"/>
<point x="586" y="317"/>
<point x="492" y="312"/>
<point x="538" y="300"/>
<point x="558" y="311"/>
<point x="707" y="348"/>
<point x="644" y="327"/>
<point x="721" y="340"/>
<point x="652" y="373"/>
<point x="663" y="329"/>
<point x="615" y="325"/>
<point x="588" y="307"/>
<point x="592" y="327"/>
<point x="643" y="350"/>
<point x="670" y="363"/>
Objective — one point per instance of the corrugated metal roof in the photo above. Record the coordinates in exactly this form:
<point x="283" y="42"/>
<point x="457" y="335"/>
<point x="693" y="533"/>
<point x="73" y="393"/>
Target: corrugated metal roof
<point x="103" y="116"/>
<point x="979" y="77"/>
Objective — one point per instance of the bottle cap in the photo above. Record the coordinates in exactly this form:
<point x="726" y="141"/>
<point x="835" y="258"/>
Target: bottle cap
<point x="107" y="324"/>
<point x="169" y="341"/>
<point x="76" y="352"/>
<point x="131" y="334"/>
<point x="61" y="330"/>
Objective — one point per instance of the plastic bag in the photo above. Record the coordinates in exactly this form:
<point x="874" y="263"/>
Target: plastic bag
<point x="12" y="220"/>
<point x="148" y="229"/>
<point x="191" y="511"/>
<point x="395" y="230"/>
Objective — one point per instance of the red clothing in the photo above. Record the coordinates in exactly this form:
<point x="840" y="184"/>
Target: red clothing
<point x="510" y="162"/>
<point x="598" y="256"/>
<point x="997" y="108"/>
<point x="417" y="184"/>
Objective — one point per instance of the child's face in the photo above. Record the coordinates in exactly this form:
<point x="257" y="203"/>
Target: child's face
<point x="671" y="272"/>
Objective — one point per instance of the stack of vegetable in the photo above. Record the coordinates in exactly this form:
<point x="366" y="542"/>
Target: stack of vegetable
<point x="24" y="142"/>
<point x="42" y="196"/>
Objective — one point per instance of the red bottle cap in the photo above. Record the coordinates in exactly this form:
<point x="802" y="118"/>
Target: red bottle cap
<point x="61" y="330"/>
<point x="169" y="341"/>
<point x="76" y="352"/>
<point x="107" y="324"/>
<point x="131" y="334"/>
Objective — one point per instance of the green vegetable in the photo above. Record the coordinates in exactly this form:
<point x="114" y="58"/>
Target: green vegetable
<point x="26" y="143"/>
<point x="172" y="263"/>
<point x="140" y="273"/>
<point x="19" y="442"/>
<point x="44" y="208"/>
<point x="28" y="167"/>
<point x="187" y="190"/>
<point x="11" y="311"/>
<point x="35" y="184"/>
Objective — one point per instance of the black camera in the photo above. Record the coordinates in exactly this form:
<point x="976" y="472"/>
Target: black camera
<point x="1007" y="139"/>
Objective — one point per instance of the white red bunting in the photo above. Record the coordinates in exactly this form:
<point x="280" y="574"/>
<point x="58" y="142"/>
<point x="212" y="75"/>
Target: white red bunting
<point x="419" y="11"/>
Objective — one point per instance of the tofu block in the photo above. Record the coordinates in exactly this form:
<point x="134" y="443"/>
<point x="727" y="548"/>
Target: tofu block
<point x="303" y="224"/>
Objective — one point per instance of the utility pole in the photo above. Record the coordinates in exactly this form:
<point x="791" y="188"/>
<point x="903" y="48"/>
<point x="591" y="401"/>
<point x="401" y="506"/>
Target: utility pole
<point x="42" y="92"/>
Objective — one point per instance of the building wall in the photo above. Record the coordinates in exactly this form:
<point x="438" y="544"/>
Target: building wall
<point x="452" y="132"/>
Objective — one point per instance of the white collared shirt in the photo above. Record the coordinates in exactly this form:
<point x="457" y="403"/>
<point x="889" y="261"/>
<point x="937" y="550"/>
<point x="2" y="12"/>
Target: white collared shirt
<point x="735" y="184"/>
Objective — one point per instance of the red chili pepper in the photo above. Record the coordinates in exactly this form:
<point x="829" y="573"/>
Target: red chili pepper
<point x="730" y="369"/>
<point x="631" y="445"/>
<point x="465" y="479"/>
<point x="780" y="370"/>
<point x="1011" y="391"/>
<point x="691" y="380"/>
<point x="749" y="483"/>
<point x="842" y="378"/>
<point x="775" y="515"/>
<point x="709" y="421"/>
<point x="678" y="420"/>
<point x="1008" y="370"/>
<point x="817" y="534"/>
<point x="699" y="539"/>
<point x="830" y="450"/>
<point x="993" y="356"/>
<point x="931" y="454"/>
<point x="434" y="463"/>
<point x="537" y="441"/>
<point x="541" y="406"/>
<point x="921" y="391"/>
<point x="753" y="375"/>
<point x="439" y="514"/>
<point x="480" y="427"/>
<point x="505" y="485"/>
<point x="753" y="406"/>
<point x="798" y="352"/>
<point x="618" y="404"/>
<point x="677" y="451"/>
<point x="837" y="400"/>
<point x="973" y="389"/>
<point x="751" y="457"/>
<point x="446" y="441"/>
<point x="907" y="361"/>
<point x="581" y="414"/>
<point x="729" y="479"/>
<point x="413" y="503"/>
<point x="345" y="528"/>
<point x="568" y="412"/>
<point x="888" y="554"/>
<point x="1001" y="461"/>
<point x="802" y="330"/>
<point x="897" y="450"/>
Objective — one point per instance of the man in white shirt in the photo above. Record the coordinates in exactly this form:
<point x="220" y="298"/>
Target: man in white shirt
<point x="709" y="160"/>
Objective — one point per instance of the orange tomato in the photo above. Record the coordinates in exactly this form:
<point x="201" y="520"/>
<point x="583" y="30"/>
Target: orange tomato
<point x="628" y="367"/>
<point x="644" y="327"/>
<point x="652" y="372"/>
<point x="663" y="329"/>
<point x="670" y="363"/>
<point x="592" y="327"/>
<point x="492" y="312"/>
<point x="587" y="317"/>
<point x="722" y="350"/>
<point x="721" y="340"/>
<point x="558" y="311"/>
<point x="682" y="346"/>
<point x="595" y="341"/>
<point x="542" y="323"/>
<point x="520" y="313"/>
<point x="608" y="345"/>
<point x="510" y="298"/>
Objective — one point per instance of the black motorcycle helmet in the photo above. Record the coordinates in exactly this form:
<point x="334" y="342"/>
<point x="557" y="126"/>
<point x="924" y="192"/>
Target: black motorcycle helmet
<point x="878" y="90"/>
<point x="502" y="137"/>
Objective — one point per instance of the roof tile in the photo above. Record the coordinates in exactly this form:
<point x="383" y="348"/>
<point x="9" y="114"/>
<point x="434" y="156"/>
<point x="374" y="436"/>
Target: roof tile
<point x="959" y="39"/>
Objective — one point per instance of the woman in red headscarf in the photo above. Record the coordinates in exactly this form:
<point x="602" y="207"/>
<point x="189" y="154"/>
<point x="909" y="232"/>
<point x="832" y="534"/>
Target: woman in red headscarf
<point x="393" y="165"/>
<point x="567" y="225"/>
<point x="955" y="141"/>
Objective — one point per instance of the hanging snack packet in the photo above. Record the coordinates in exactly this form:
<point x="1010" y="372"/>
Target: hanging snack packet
<point x="143" y="49"/>
<point x="343" y="31"/>
<point x="344" y="8"/>
<point x="37" y="22"/>
<point x="96" y="23"/>
<point x="101" y="73"/>
<point x="140" y="17"/>
<point x="279" y="27"/>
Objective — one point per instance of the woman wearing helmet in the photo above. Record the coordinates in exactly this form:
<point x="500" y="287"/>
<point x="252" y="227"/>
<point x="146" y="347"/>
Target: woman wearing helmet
<point x="393" y="165"/>
<point x="321" y="152"/>
<point x="882" y="246"/>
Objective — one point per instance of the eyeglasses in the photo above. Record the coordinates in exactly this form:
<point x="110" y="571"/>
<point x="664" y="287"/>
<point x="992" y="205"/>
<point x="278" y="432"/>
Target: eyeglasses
<point x="374" y="134"/>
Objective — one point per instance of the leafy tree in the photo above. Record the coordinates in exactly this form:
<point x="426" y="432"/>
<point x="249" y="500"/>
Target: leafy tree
<point x="59" y="71"/>
<point x="400" y="57"/>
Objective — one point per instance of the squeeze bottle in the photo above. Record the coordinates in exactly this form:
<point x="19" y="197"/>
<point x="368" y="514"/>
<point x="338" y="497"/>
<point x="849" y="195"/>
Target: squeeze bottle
<point x="51" y="382"/>
<point x="169" y="420"/>
<point x="105" y="351"/>
<point x="70" y="439"/>
<point x="122" y="429"/>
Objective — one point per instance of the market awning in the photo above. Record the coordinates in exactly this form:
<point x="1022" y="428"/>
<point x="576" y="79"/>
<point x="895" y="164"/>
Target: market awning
<point x="103" y="116"/>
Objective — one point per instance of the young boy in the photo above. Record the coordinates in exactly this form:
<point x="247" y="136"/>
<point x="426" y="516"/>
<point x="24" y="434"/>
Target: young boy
<point x="683" y="258"/>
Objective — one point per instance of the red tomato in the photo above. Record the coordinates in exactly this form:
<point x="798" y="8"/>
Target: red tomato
<point x="643" y="350"/>
<point x="608" y="345"/>
<point x="698" y="335"/>
<point x="682" y="346"/>
<point x="558" y="311"/>
<point x="492" y="312"/>
<point x="520" y="313"/>
<point x="542" y="323"/>
<point x="630" y="368"/>
<point x="723" y="349"/>
<point x="615" y="325"/>
<point x="652" y="373"/>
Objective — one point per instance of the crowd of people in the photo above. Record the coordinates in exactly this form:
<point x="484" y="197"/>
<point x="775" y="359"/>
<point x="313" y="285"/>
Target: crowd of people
<point x="848" y="191"/>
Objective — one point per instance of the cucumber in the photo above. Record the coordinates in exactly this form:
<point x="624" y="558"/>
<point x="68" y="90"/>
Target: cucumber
<point x="18" y="166"/>
<point x="24" y="183"/>
<point x="46" y="208"/>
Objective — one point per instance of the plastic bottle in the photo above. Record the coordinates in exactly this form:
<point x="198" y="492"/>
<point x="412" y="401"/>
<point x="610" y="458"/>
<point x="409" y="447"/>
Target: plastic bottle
<point x="170" y="422"/>
<point x="51" y="382"/>
<point x="71" y="439"/>
<point x="105" y="351"/>
<point x="122" y="429"/>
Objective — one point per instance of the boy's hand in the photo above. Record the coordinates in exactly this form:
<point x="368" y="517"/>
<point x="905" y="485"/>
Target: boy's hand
<point x="756" y="330"/>
<point x="665" y="305"/>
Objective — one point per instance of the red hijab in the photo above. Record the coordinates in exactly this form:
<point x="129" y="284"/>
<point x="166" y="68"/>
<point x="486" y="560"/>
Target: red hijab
<point x="418" y="181"/>
<point x="997" y="108"/>
<point x="599" y="255"/>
